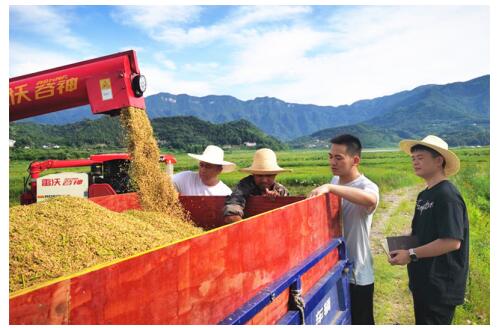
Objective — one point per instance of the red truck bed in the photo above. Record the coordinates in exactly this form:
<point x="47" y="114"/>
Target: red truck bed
<point x="200" y="280"/>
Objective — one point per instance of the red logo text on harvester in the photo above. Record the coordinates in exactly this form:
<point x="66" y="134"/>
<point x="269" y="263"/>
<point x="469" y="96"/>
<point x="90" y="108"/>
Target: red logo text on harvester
<point x="43" y="89"/>
<point x="58" y="182"/>
<point x="62" y="184"/>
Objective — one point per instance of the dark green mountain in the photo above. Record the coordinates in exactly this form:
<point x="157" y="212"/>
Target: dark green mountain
<point x="457" y="112"/>
<point x="370" y="136"/>
<point x="447" y="107"/>
<point x="105" y="130"/>
<point x="175" y="133"/>
<point x="192" y="134"/>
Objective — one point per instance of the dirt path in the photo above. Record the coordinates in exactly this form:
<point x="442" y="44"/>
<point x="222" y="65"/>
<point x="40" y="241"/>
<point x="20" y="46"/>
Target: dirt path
<point x="391" y="207"/>
<point x="392" y="300"/>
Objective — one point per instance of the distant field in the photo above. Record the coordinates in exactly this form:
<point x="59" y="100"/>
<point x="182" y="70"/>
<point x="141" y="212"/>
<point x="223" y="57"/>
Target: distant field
<point x="391" y="170"/>
<point x="309" y="169"/>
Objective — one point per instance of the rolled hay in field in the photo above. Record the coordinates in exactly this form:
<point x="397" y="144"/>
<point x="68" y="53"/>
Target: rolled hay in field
<point x="154" y="187"/>
<point x="67" y="234"/>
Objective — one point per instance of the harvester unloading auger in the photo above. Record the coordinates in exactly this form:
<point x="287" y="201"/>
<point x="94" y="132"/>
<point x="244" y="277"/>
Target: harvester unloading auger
<point x="107" y="84"/>
<point x="284" y="264"/>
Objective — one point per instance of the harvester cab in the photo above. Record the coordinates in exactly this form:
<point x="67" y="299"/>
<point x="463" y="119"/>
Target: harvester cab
<point x="113" y="172"/>
<point x="108" y="175"/>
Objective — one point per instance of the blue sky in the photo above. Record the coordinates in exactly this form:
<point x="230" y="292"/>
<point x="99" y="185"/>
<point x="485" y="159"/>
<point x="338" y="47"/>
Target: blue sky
<point x="325" y="55"/>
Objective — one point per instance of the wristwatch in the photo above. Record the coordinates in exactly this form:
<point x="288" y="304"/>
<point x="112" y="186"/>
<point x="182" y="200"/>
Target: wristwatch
<point x="412" y="255"/>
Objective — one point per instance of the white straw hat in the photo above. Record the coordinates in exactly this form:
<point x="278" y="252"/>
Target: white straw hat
<point x="452" y="162"/>
<point x="264" y="162"/>
<point x="214" y="155"/>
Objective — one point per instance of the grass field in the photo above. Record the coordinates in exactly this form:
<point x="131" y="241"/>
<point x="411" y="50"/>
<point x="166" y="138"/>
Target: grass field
<point x="391" y="170"/>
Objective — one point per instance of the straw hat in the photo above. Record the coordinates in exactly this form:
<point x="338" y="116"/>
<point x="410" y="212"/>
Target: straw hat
<point x="452" y="163"/>
<point x="214" y="155"/>
<point x="264" y="162"/>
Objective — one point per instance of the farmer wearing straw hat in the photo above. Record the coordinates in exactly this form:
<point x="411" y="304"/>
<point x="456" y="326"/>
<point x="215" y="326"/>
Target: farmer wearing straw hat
<point x="264" y="169"/>
<point x="360" y="197"/>
<point x="438" y="267"/>
<point x="206" y="181"/>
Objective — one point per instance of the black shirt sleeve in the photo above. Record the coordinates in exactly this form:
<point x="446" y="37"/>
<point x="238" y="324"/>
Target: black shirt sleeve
<point x="450" y="219"/>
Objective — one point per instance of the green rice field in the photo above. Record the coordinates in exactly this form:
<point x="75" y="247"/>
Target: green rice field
<point x="392" y="172"/>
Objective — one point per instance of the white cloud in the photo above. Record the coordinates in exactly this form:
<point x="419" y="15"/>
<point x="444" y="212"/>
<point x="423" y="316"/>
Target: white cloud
<point x="277" y="55"/>
<point x="202" y="68"/>
<point x="25" y="60"/>
<point x="169" y="64"/>
<point x="50" y="23"/>
<point x="180" y="37"/>
<point x="365" y="53"/>
<point x="170" y="23"/>
<point x="159" y="80"/>
<point x="248" y="15"/>
<point x="155" y="18"/>
<point x="152" y="17"/>
<point x="163" y="60"/>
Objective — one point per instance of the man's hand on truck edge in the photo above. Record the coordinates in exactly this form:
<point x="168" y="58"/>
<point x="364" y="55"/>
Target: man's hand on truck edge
<point x="319" y="190"/>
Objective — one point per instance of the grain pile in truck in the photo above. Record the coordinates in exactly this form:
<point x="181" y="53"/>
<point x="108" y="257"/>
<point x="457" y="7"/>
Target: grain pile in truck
<point x="68" y="234"/>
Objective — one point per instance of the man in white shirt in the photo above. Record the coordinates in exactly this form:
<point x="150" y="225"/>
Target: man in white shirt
<point x="206" y="181"/>
<point x="360" y="197"/>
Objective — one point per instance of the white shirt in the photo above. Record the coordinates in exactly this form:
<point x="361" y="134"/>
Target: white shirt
<point x="356" y="223"/>
<point x="188" y="183"/>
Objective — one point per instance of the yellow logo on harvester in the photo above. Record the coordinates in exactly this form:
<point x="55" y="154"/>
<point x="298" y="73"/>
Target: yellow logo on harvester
<point x="105" y="84"/>
<point x="106" y="89"/>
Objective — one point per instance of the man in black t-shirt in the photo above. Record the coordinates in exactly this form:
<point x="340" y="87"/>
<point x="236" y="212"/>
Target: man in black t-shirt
<point x="438" y="267"/>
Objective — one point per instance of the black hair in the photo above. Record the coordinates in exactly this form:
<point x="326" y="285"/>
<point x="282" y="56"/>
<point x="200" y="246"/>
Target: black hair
<point x="433" y="152"/>
<point x="352" y="143"/>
